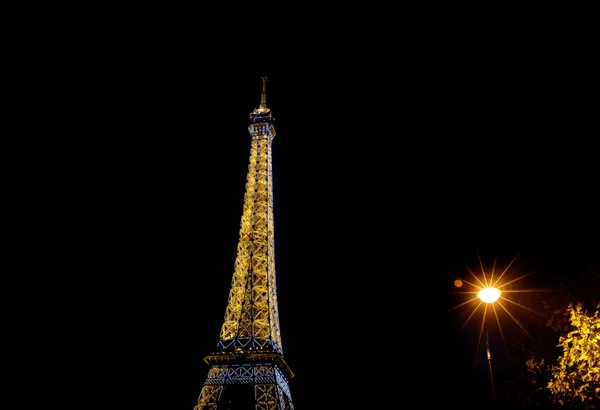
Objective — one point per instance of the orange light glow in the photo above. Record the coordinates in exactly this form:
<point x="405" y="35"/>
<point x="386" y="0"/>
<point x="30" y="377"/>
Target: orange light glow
<point x="489" y="289"/>
<point x="489" y="295"/>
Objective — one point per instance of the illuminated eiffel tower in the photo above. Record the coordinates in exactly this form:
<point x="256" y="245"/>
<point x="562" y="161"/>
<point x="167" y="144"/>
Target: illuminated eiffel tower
<point x="248" y="371"/>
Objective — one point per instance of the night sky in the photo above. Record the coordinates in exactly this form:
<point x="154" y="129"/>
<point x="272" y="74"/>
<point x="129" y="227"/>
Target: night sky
<point x="392" y="170"/>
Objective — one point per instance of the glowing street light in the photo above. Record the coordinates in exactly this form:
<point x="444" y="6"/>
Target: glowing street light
<point x="490" y="291"/>
<point x="489" y="295"/>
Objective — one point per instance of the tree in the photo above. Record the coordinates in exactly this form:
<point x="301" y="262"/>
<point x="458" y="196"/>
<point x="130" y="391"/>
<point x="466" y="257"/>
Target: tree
<point x="575" y="378"/>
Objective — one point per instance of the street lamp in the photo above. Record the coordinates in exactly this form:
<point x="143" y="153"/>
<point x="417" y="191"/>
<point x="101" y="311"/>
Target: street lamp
<point x="489" y="295"/>
<point x="487" y="290"/>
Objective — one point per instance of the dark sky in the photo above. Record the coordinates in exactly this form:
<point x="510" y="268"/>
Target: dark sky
<point x="393" y="166"/>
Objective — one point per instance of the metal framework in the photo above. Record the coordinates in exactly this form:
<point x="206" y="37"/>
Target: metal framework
<point x="248" y="371"/>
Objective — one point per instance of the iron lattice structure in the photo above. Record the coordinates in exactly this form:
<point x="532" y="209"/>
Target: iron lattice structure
<point x="248" y="370"/>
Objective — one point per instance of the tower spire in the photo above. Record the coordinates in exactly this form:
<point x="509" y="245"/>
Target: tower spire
<point x="263" y="97"/>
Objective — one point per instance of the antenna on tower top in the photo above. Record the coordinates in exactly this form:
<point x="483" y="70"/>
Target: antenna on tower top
<point x="263" y="97"/>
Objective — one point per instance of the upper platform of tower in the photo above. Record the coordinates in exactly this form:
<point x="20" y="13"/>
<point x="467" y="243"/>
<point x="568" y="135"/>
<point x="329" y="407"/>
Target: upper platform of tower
<point x="262" y="113"/>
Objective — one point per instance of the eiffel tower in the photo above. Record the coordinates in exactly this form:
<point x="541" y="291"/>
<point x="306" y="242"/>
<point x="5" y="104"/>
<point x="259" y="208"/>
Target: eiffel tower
<point x="248" y="370"/>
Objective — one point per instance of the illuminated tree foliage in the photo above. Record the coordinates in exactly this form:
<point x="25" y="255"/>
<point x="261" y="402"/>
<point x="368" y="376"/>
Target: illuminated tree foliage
<point x="575" y="378"/>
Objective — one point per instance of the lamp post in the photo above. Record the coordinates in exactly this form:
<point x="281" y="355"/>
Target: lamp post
<point x="489" y="295"/>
